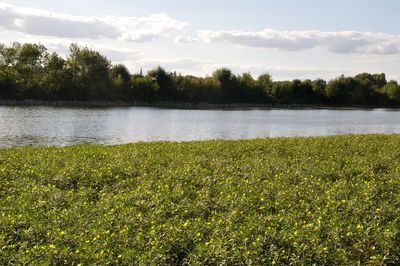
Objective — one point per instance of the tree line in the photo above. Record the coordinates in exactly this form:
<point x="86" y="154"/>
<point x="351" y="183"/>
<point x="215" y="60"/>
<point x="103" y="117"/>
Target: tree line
<point x="29" y="71"/>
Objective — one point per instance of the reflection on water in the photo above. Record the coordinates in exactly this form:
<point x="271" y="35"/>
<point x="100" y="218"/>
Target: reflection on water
<point x="20" y="126"/>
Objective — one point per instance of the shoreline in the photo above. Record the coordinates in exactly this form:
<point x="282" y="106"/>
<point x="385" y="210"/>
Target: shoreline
<point x="188" y="106"/>
<point x="195" y="141"/>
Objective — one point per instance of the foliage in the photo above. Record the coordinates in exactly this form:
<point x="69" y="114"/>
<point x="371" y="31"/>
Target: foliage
<point x="56" y="79"/>
<point x="194" y="89"/>
<point x="166" y="83"/>
<point x="143" y="88"/>
<point x="23" y="65"/>
<point x="303" y="201"/>
<point x="392" y="90"/>
<point x="121" y="78"/>
<point x="29" y="71"/>
<point x="90" y="74"/>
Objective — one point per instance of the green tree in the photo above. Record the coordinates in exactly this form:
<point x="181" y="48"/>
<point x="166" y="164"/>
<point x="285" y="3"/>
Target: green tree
<point x="249" y="90"/>
<point x="347" y="90"/>
<point x="23" y="64"/>
<point x="120" y="78"/>
<point x="303" y="92"/>
<point x="318" y="88"/>
<point x="90" y="74"/>
<point x="56" y="79"/>
<point x="370" y="85"/>
<point x="265" y="82"/>
<point x="6" y="85"/>
<point x="29" y="71"/>
<point x="371" y="80"/>
<point x="143" y="88"/>
<point x="228" y="84"/>
<point x="211" y="90"/>
<point x="194" y="89"/>
<point x="166" y="83"/>
<point x="282" y="92"/>
<point x="392" y="90"/>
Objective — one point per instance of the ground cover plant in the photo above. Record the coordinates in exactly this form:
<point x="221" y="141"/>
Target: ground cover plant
<point x="326" y="200"/>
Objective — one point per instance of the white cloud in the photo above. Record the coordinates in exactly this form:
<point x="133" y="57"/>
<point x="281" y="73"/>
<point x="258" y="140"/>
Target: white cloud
<point x="45" y="23"/>
<point x="186" y="39"/>
<point x="192" y="66"/>
<point x="283" y="72"/>
<point x="336" y="42"/>
<point x="146" y="28"/>
<point x="185" y="66"/>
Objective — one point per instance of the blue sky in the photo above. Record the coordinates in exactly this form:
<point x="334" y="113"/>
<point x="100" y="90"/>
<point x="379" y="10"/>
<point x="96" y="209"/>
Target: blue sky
<point x="288" y="38"/>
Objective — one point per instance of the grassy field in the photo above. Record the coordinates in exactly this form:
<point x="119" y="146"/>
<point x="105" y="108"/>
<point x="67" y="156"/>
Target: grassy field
<point x="329" y="200"/>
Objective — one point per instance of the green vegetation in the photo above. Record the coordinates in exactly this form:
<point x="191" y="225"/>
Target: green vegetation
<point x="327" y="200"/>
<point x="30" y="72"/>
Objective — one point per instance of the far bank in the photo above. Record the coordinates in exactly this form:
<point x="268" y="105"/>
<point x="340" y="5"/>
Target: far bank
<point x="187" y="105"/>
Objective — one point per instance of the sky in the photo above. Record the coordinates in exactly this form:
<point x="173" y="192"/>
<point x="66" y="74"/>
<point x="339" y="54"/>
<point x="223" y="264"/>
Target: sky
<point x="287" y="38"/>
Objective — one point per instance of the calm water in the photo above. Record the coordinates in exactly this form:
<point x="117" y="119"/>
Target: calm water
<point x="20" y="126"/>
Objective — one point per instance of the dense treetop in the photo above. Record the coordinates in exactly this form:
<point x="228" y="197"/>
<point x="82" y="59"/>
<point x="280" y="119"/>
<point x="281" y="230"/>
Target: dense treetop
<point x="29" y="71"/>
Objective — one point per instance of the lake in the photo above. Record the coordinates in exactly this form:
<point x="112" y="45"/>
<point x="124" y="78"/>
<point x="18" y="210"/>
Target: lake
<point x="21" y="126"/>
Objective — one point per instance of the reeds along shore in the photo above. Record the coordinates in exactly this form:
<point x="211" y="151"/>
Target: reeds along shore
<point x="185" y="105"/>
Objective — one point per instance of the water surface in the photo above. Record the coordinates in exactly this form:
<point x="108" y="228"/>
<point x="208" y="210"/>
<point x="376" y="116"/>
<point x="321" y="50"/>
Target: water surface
<point x="21" y="126"/>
